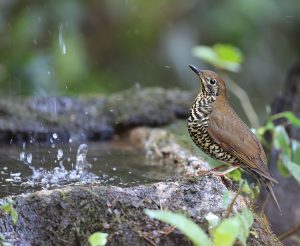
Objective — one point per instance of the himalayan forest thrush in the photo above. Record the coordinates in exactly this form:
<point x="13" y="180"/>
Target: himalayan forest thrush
<point x="218" y="131"/>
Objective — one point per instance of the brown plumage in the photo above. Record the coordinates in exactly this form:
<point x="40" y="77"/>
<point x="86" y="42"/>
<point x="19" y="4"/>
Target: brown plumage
<point x="218" y="131"/>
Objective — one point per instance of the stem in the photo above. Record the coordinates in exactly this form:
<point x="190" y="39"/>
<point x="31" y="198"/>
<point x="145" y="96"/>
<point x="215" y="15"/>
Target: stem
<point x="289" y="232"/>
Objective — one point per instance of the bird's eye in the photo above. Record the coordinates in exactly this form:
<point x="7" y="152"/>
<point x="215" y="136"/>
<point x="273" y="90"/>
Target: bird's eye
<point x="212" y="81"/>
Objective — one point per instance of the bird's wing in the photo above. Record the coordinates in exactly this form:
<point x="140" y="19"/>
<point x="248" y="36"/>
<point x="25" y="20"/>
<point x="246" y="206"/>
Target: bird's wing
<point x="234" y="136"/>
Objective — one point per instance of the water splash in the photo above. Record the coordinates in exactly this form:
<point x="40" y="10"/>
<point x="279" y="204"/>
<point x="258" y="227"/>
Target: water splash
<point x="60" y="154"/>
<point x="81" y="161"/>
<point x="59" y="175"/>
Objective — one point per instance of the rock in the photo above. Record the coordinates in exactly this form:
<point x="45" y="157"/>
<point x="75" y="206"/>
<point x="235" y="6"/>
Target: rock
<point x="90" y="118"/>
<point x="69" y="215"/>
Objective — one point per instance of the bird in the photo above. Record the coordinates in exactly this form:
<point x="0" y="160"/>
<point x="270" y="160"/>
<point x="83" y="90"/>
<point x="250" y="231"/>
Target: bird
<point x="219" y="132"/>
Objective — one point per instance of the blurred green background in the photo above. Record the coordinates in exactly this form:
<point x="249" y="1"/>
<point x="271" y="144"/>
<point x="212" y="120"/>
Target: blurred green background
<point x="72" y="47"/>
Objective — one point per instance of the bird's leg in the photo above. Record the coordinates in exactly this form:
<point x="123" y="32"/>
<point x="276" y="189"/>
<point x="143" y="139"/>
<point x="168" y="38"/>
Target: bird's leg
<point x="226" y="171"/>
<point x="215" y="169"/>
<point x="218" y="168"/>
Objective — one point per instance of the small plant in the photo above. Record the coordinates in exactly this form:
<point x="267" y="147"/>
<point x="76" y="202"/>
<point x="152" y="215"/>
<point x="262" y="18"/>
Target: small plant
<point x="8" y="208"/>
<point x="98" y="239"/>
<point x="289" y="149"/>
<point x="222" y="233"/>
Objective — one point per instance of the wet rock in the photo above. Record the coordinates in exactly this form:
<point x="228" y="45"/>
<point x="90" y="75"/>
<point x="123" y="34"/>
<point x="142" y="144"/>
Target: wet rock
<point x="90" y="118"/>
<point x="69" y="215"/>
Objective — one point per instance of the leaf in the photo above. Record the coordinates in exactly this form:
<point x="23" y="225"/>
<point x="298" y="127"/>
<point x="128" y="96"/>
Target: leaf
<point x="235" y="175"/>
<point x="231" y="229"/>
<point x="14" y="215"/>
<point x="223" y="56"/>
<point x="246" y="220"/>
<point x="98" y="239"/>
<point x="281" y="140"/>
<point x="212" y="219"/>
<point x="290" y="116"/>
<point x="227" y="232"/>
<point x="6" y="207"/>
<point x="295" y="151"/>
<point x="227" y="198"/>
<point x="282" y="168"/>
<point x="190" y="229"/>
<point x="293" y="168"/>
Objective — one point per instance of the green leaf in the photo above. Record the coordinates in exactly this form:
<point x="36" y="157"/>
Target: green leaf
<point x="190" y="229"/>
<point x="227" y="198"/>
<point x="282" y="168"/>
<point x="235" y="175"/>
<point x="6" y="207"/>
<point x="213" y="220"/>
<point x="14" y="215"/>
<point x="231" y="229"/>
<point x="227" y="232"/>
<point x="281" y="140"/>
<point x="245" y="187"/>
<point x="98" y="239"/>
<point x="289" y="116"/>
<point x="223" y="56"/>
<point x="293" y="168"/>
<point x="246" y="220"/>
<point x="295" y="151"/>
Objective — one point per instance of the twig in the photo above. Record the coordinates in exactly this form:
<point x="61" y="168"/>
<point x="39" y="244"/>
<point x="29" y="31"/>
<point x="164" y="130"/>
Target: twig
<point x="230" y="208"/>
<point x="149" y="240"/>
<point x="289" y="232"/>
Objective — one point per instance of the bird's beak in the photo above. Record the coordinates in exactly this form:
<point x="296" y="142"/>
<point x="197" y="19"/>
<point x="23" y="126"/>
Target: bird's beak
<point x="195" y="69"/>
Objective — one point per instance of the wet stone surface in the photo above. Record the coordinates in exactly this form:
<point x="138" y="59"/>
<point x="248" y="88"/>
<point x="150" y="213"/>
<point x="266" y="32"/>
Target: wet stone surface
<point x="89" y="118"/>
<point x="67" y="216"/>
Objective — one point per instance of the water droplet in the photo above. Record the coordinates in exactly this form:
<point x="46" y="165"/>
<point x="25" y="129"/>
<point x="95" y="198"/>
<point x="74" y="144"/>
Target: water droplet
<point x="114" y="169"/>
<point x="60" y="154"/>
<point x="55" y="135"/>
<point x="61" y="40"/>
<point x="81" y="161"/>
<point x="29" y="158"/>
<point x="22" y="156"/>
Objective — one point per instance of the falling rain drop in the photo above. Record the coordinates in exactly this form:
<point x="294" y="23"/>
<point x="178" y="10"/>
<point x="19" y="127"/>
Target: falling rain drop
<point x="61" y="40"/>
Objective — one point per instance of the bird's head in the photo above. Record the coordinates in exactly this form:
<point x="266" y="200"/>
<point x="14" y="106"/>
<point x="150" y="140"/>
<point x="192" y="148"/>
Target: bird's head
<point x="211" y="83"/>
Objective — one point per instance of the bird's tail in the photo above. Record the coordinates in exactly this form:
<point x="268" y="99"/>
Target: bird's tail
<point x="268" y="185"/>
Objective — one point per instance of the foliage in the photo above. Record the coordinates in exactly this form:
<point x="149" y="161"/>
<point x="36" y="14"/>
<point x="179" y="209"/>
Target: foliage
<point x="289" y="149"/>
<point x="98" y="239"/>
<point x="222" y="56"/>
<point x="185" y="225"/>
<point x="222" y="233"/>
<point x="3" y="241"/>
<point x="8" y="208"/>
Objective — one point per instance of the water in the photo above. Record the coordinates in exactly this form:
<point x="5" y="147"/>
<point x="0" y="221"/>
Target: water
<point x="42" y="166"/>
